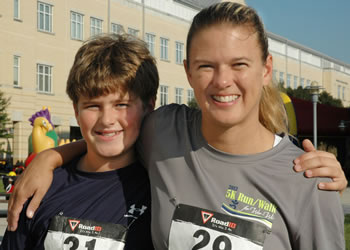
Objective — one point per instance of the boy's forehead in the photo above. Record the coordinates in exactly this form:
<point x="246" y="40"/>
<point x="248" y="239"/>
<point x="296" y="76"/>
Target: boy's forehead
<point x="117" y="95"/>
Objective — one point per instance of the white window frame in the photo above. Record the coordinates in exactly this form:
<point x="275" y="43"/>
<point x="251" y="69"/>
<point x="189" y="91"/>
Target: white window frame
<point x="308" y="83"/>
<point x="76" y="26"/>
<point x="338" y="94"/>
<point x="164" y="93"/>
<point x="302" y="81"/>
<point x="95" y="26"/>
<point x="295" y="82"/>
<point x="117" y="28"/>
<point x="133" y="32"/>
<point x="44" y="78"/>
<point x="150" y="40"/>
<point x="289" y="76"/>
<point x="16" y="9"/>
<point x="343" y="94"/>
<point x="44" y="17"/>
<point x="16" y="71"/>
<point x="164" y="49"/>
<point x="179" y="52"/>
<point x="190" y="95"/>
<point x="179" y="95"/>
<point x="281" y="79"/>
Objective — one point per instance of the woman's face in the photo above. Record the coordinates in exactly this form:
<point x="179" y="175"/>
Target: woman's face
<point x="227" y="74"/>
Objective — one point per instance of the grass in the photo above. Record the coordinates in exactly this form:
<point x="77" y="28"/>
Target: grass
<point x="347" y="231"/>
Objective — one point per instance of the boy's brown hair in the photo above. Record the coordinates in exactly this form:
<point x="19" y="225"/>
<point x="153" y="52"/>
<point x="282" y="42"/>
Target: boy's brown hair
<point x="111" y="63"/>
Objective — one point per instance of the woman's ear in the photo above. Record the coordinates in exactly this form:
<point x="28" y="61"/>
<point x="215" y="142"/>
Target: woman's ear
<point x="267" y="73"/>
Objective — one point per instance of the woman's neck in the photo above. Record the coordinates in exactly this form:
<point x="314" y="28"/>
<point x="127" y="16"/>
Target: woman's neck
<point x="240" y="139"/>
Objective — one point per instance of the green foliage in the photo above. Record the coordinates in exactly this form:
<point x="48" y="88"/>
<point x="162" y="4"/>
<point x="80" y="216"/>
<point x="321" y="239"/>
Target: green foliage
<point x="193" y="104"/>
<point x="4" y="120"/>
<point x="304" y="93"/>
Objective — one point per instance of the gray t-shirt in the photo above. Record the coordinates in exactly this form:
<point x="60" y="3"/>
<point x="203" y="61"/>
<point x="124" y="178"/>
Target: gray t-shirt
<point x="203" y="198"/>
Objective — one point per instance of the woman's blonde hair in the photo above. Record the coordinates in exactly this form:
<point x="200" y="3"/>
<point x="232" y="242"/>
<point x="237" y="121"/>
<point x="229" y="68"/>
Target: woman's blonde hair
<point x="272" y="113"/>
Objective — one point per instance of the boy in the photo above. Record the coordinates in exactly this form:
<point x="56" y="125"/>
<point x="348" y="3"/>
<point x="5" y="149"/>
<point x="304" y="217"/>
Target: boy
<point x="101" y="200"/>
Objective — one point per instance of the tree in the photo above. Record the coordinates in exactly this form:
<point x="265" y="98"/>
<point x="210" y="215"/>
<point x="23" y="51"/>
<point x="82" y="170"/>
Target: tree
<point x="193" y="103"/>
<point x="4" y="121"/>
<point x="303" y="93"/>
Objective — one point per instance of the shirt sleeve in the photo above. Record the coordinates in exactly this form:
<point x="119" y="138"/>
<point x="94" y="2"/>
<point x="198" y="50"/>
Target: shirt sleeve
<point x="322" y="223"/>
<point x="20" y="239"/>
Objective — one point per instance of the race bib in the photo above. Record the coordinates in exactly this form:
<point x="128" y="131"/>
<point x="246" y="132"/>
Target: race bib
<point x="196" y="228"/>
<point x="77" y="234"/>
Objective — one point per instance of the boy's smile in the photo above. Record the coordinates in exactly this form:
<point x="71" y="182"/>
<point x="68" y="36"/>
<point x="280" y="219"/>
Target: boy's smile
<point x="110" y="125"/>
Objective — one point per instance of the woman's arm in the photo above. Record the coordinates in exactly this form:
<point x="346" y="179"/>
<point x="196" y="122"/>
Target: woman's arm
<point x="321" y="164"/>
<point x="37" y="178"/>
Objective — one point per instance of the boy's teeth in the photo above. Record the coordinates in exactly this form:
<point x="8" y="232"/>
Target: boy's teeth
<point x="226" y="98"/>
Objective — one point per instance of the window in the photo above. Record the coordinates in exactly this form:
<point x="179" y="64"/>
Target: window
<point x="117" y="28"/>
<point x="302" y="82"/>
<point x="308" y="83"/>
<point x="16" y="13"/>
<point x="274" y="75"/>
<point x="178" y="95"/>
<point x="190" y="95"/>
<point x="164" y="48"/>
<point x="288" y="80"/>
<point x="295" y="82"/>
<point x="16" y="70"/>
<point x="150" y="39"/>
<point x="133" y="32"/>
<point x="44" y="17"/>
<point x="343" y="94"/>
<point x="163" y="95"/>
<point x="179" y="52"/>
<point x="44" y="78"/>
<point x="338" y="94"/>
<point x="281" y="78"/>
<point x="95" y="26"/>
<point x="76" y="26"/>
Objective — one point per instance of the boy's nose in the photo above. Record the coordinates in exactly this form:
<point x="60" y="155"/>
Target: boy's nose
<point x="108" y="117"/>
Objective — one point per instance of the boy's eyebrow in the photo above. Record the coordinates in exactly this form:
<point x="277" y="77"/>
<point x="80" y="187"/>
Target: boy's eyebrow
<point x="235" y="59"/>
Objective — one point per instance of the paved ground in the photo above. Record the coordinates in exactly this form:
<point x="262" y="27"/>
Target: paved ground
<point x="345" y="198"/>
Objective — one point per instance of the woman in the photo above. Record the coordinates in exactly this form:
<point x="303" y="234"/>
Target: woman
<point x="222" y="177"/>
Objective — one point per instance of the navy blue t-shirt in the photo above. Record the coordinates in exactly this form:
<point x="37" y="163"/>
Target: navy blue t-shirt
<point x="119" y="197"/>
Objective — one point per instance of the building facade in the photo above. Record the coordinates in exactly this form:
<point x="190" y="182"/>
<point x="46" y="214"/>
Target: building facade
<point x="40" y="38"/>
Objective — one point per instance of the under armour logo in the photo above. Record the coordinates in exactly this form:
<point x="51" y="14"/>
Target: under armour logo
<point x="134" y="209"/>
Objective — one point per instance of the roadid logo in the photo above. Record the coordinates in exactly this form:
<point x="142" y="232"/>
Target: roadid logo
<point x="206" y="216"/>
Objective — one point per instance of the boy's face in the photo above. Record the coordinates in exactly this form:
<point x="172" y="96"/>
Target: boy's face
<point x="110" y="125"/>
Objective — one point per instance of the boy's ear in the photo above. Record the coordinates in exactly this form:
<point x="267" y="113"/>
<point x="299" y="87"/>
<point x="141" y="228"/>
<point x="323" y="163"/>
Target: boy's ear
<point x="76" y="112"/>
<point x="151" y="105"/>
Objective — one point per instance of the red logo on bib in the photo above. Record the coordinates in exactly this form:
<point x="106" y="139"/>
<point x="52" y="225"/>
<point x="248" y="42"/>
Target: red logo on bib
<point x="73" y="224"/>
<point x="206" y="216"/>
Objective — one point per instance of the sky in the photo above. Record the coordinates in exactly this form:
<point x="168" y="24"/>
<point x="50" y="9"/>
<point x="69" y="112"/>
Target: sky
<point x="322" y="25"/>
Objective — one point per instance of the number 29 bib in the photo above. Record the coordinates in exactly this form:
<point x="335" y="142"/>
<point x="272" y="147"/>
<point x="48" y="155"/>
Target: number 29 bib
<point x="77" y="234"/>
<point x="196" y="228"/>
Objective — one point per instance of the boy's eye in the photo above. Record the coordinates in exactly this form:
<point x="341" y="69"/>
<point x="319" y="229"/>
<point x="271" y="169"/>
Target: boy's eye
<point x="122" y="105"/>
<point x="91" y="106"/>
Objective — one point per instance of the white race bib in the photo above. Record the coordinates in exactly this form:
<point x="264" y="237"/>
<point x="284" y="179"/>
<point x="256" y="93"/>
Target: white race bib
<point x="78" y="234"/>
<point x="196" y="228"/>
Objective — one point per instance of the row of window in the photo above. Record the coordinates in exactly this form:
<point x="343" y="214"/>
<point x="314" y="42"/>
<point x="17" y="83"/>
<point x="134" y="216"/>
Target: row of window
<point x="341" y="92"/>
<point x="44" y="23"/>
<point x="292" y="80"/>
<point x="43" y="76"/>
<point x="44" y="83"/>
<point x="179" y="99"/>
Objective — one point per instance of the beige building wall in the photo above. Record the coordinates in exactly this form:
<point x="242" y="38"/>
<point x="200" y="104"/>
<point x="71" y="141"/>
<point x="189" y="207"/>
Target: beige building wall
<point x="297" y="65"/>
<point x="20" y="38"/>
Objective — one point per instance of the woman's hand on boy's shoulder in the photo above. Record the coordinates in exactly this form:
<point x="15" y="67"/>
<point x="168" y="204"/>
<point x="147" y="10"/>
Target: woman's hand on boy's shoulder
<point x="318" y="163"/>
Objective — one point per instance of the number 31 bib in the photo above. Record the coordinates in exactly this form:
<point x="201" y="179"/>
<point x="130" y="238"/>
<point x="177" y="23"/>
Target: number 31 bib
<point x="77" y="234"/>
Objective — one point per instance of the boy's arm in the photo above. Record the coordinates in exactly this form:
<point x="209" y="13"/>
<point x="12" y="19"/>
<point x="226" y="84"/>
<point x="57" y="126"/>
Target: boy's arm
<point x="321" y="164"/>
<point x="37" y="178"/>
